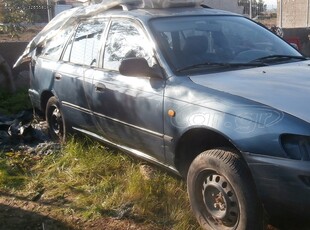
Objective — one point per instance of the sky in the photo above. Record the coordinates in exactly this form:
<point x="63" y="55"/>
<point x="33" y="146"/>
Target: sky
<point x="271" y="3"/>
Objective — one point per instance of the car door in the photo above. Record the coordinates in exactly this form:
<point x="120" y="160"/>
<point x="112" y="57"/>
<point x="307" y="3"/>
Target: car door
<point x="75" y="86"/>
<point x="129" y="110"/>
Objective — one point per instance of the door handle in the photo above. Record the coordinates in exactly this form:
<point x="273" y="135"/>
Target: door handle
<point x="57" y="76"/>
<point x="100" y="87"/>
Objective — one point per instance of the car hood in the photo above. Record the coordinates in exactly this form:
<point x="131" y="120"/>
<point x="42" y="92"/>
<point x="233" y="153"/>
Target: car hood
<point x="285" y="87"/>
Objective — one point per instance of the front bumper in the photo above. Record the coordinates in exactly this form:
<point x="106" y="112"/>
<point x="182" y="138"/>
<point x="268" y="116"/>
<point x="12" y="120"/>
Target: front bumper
<point x="282" y="184"/>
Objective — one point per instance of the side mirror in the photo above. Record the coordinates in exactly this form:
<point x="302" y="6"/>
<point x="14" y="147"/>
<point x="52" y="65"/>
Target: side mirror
<point x="138" y="67"/>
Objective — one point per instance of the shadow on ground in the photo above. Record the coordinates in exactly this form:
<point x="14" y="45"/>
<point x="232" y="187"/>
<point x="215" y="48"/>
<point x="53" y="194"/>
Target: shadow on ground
<point x="13" y="218"/>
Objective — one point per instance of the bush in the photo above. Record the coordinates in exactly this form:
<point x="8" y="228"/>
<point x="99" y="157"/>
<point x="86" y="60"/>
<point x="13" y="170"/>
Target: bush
<point x="12" y="104"/>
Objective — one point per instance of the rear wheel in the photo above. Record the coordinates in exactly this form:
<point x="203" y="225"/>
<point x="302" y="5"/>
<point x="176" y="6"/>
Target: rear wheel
<point x="55" y="120"/>
<point x="222" y="193"/>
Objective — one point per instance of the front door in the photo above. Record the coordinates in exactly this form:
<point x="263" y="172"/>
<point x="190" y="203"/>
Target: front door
<point x="129" y="110"/>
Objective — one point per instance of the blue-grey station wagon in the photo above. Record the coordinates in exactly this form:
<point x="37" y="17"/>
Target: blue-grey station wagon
<point x="208" y="94"/>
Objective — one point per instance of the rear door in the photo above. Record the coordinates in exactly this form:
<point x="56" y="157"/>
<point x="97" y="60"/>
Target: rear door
<point x="80" y="57"/>
<point x="129" y="110"/>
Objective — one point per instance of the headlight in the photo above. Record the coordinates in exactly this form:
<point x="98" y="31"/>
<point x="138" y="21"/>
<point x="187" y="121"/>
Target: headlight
<point x="297" y="147"/>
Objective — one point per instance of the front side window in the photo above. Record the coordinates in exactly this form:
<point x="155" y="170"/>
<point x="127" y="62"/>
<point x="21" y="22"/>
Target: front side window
<point x="84" y="47"/>
<point x="125" y="40"/>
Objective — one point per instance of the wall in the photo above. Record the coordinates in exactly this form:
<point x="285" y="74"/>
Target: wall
<point x="294" y="19"/>
<point x="10" y="51"/>
<point x="60" y="8"/>
<point x="293" y="13"/>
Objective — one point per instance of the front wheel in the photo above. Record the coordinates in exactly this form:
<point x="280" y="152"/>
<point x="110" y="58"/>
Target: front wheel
<point x="55" y="120"/>
<point x="222" y="193"/>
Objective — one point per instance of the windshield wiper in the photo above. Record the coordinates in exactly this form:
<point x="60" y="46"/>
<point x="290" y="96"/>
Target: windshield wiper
<point x="220" y="65"/>
<point x="278" y="58"/>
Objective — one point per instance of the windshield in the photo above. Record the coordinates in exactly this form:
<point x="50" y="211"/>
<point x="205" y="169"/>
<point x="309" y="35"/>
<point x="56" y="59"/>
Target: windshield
<point x="218" y="42"/>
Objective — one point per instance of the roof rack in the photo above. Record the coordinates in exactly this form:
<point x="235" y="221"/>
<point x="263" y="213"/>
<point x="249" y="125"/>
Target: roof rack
<point x="157" y="4"/>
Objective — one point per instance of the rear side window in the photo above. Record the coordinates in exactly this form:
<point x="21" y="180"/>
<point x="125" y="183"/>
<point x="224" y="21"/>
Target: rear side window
<point x="84" y="47"/>
<point x="126" y="39"/>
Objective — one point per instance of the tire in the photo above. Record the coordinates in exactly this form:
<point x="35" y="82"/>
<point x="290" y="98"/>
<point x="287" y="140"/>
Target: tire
<point x="222" y="193"/>
<point x="55" y="120"/>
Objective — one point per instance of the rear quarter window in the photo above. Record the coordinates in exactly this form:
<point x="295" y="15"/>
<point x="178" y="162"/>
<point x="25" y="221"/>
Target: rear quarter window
<point x="55" y="45"/>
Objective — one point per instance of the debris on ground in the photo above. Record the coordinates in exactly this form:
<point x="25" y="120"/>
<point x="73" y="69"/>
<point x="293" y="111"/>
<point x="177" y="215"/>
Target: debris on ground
<point x="23" y="132"/>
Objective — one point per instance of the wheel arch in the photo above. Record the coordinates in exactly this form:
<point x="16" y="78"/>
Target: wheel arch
<point x="45" y="96"/>
<point x="195" y="141"/>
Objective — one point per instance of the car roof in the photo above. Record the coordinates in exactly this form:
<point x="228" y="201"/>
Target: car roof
<point x="146" y="14"/>
<point x="114" y="8"/>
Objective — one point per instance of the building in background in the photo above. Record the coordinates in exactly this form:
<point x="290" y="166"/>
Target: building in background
<point x="229" y="5"/>
<point x="294" y="14"/>
<point x="63" y="5"/>
<point x="294" y="19"/>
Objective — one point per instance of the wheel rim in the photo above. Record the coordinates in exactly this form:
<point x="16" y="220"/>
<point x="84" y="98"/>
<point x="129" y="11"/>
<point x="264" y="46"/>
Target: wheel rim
<point x="56" y="123"/>
<point x="220" y="204"/>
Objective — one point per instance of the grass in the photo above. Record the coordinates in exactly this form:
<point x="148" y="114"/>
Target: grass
<point x="13" y="103"/>
<point x="93" y="181"/>
<point x="14" y="166"/>
<point x="99" y="182"/>
<point x="88" y="180"/>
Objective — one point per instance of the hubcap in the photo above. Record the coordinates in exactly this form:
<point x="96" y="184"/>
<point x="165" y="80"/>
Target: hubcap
<point x="220" y="201"/>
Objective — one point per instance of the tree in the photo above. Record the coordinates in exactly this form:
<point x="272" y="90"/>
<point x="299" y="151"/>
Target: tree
<point x="15" y="13"/>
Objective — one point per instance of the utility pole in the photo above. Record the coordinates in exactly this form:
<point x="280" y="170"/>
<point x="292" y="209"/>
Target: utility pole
<point x="251" y="9"/>
<point x="281" y="14"/>
<point x="49" y="10"/>
<point x="308" y="12"/>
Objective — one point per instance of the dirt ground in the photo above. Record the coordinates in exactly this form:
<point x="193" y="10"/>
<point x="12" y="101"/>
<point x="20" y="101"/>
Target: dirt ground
<point x="17" y="212"/>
